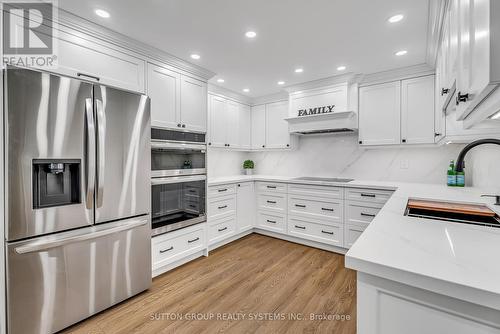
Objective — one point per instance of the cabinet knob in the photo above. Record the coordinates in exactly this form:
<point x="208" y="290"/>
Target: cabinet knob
<point x="228" y="145"/>
<point x="361" y="142"/>
<point x="462" y="97"/>
<point x="263" y="145"/>
<point x="239" y="185"/>
<point x="444" y="91"/>
<point x="437" y="134"/>
<point x="287" y="145"/>
<point x="403" y="140"/>
<point x="183" y="125"/>
<point x="179" y="125"/>
<point x="209" y="144"/>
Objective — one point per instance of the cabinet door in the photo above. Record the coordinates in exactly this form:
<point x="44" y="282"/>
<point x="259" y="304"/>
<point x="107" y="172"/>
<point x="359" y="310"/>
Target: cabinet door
<point x="417" y="110"/>
<point x="244" y="127"/>
<point x="379" y="114"/>
<point x="277" y="132"/>
<point x="245" y="206"/>
<point x="164" y="91"/>
<point x="474" y="55"/>
<point x="218" y="122"/>
<point x="439" y="114"/>
<point x="193" y="104"/>
<point x="232" y="119"/>
<point x="258" y="127"/>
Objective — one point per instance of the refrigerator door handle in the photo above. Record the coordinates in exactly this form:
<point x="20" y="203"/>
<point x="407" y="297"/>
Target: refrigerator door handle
<point x="101" y="135"/>
<point x="39" y="246"/>
<point x="90" y="154"/>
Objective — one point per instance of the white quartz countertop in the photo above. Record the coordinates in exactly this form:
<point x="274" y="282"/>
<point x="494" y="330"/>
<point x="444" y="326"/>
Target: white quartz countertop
<point x="458" y="260"/>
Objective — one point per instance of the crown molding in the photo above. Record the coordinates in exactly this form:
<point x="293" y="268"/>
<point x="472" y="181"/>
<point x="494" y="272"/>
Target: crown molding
<point x="323" y="82"/>
<point x="276" y="97"/>
<point x="229" y="94"/>
<point x="83" y="26"/>
<point x="437" y="11"/>
<point x="397" y="74"/>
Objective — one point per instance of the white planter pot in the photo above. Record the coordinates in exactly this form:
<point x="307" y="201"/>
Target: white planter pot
<point x="248" y="171"/>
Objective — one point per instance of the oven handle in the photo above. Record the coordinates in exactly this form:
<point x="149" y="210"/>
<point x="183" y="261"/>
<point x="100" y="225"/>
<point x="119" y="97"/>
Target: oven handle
<point x="177" y="179"/>
<point x="178" y="146"/>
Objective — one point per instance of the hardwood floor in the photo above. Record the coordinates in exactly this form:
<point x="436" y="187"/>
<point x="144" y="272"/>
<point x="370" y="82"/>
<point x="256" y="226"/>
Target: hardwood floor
<point x="254" y="285"/>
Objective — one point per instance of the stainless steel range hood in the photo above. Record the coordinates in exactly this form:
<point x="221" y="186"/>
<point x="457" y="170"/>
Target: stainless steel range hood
<point x="328" y="123"/>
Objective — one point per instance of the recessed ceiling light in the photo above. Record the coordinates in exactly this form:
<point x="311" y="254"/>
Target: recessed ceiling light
<point x="246" y="90"/>
<point x="220" y="80"/>
<point x="195" y="56"/>
<point x="396" y="18"/>
<point x="299" y="70"/>
<point x="251" y="34"/>
<point x="102" y="13"/>
<point x="281" y="83"/>
<point x="401" y="53"/>
<point x="341" y="68"/>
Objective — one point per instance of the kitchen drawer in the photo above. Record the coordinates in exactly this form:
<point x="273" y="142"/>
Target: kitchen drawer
<point x="173" y="246"/>
<point x="317" y="191"/>
<point x="314" y="230"/>
<point x="272" y="187"/>
<point x="221" y="207"/>
<point x="271" y="222"/>
<point x="221" y="229"/>
<point x="319" y="208"/>
<point x="352" y="233"/>
<point x="272" y="202"/>
<point x="221" y="190"/>
<point x="361" y="212"/>
<point x="368" y="195"/>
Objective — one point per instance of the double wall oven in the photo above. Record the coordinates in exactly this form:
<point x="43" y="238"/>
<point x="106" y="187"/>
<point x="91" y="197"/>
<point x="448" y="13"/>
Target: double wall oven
<point x="178" y="179"/>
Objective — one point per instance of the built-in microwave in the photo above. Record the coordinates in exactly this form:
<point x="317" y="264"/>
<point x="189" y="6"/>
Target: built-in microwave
<point x="178" y="179"/>
<point x="175" y="153"/>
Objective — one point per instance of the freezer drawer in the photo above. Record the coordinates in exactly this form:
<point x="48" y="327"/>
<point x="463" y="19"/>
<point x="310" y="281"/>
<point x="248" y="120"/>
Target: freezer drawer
<point x="58" y="280"/>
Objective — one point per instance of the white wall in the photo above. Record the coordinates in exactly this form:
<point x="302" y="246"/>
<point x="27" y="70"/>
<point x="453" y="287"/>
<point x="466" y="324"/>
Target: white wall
<point x="340" y="155"/>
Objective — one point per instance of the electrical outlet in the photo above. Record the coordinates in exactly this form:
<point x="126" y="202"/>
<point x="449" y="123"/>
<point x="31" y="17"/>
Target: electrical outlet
<point x="405" y="164"/>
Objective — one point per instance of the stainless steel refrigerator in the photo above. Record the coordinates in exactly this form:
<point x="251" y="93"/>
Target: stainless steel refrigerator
<point x="78" y="230"/>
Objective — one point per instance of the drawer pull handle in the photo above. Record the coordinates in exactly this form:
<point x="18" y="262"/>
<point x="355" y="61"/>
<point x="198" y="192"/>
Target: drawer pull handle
<point x="88" y="76"/>
<point x="300" y="205"/>
<point x="326" y="232"/>
<point x="368" y="195"/>
<point x="271" y="187"/>
<point x="192" y="191"/>
<point x="367" y="214"/>
<point x="222" y="190"/>
<point x="301" y="227"/>
<point x="271" y="202"/>
<point x="327" y="209"/>
<point x="222" y="229"/>
<point x="222" y="207"/>
<point x="191" y="241"/>
<point x="192" y="206"/>
<point x="271" y="221"/>
<point x="166" y="250"/>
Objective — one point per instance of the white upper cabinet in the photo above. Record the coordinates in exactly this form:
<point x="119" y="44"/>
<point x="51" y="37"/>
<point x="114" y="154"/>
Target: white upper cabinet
<point x="218" y="121"/>
<point x="81" y="58"/>
<point x="478" y="59"/>
<point x="232" y="129"/>
<point x="163" y="89"/>
<point x="244" y="127"/>
<point x="177" y="101"/>
<point x="193" y="104"/>
<point x="277" y="132"/>
<point x="417" y="110"/>
<point x="379" y="114"/>
<point x="258" y="127"/>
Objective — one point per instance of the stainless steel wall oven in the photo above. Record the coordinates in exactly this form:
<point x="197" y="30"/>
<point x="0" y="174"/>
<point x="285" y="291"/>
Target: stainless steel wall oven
<point x="179" y="181"/>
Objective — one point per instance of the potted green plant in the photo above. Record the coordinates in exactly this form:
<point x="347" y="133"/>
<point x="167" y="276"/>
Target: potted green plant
<point x="248" y="166"/>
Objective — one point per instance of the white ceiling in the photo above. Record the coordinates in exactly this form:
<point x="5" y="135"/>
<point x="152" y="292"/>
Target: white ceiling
<point x="318" y="35"/>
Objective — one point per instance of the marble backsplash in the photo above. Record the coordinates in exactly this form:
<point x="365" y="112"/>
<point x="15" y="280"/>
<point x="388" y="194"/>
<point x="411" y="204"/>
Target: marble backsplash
<point x="341" y="156"/>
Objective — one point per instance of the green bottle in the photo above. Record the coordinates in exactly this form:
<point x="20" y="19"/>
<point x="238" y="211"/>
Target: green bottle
<point x="461" y="177"/>
<point x="452" y="175"/>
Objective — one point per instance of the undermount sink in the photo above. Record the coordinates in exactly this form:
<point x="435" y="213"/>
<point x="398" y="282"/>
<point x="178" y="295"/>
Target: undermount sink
<point x="324" y="179"/>
<point x="464" y="213"/>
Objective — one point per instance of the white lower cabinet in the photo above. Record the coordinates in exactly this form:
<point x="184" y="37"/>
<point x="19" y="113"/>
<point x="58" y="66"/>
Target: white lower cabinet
<point x="328" y="215"/>
<point x="221" y="229"/>
<point x="271" y="221"/>
<point x="166" y="249"/>
<point x="316" y="230"/>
